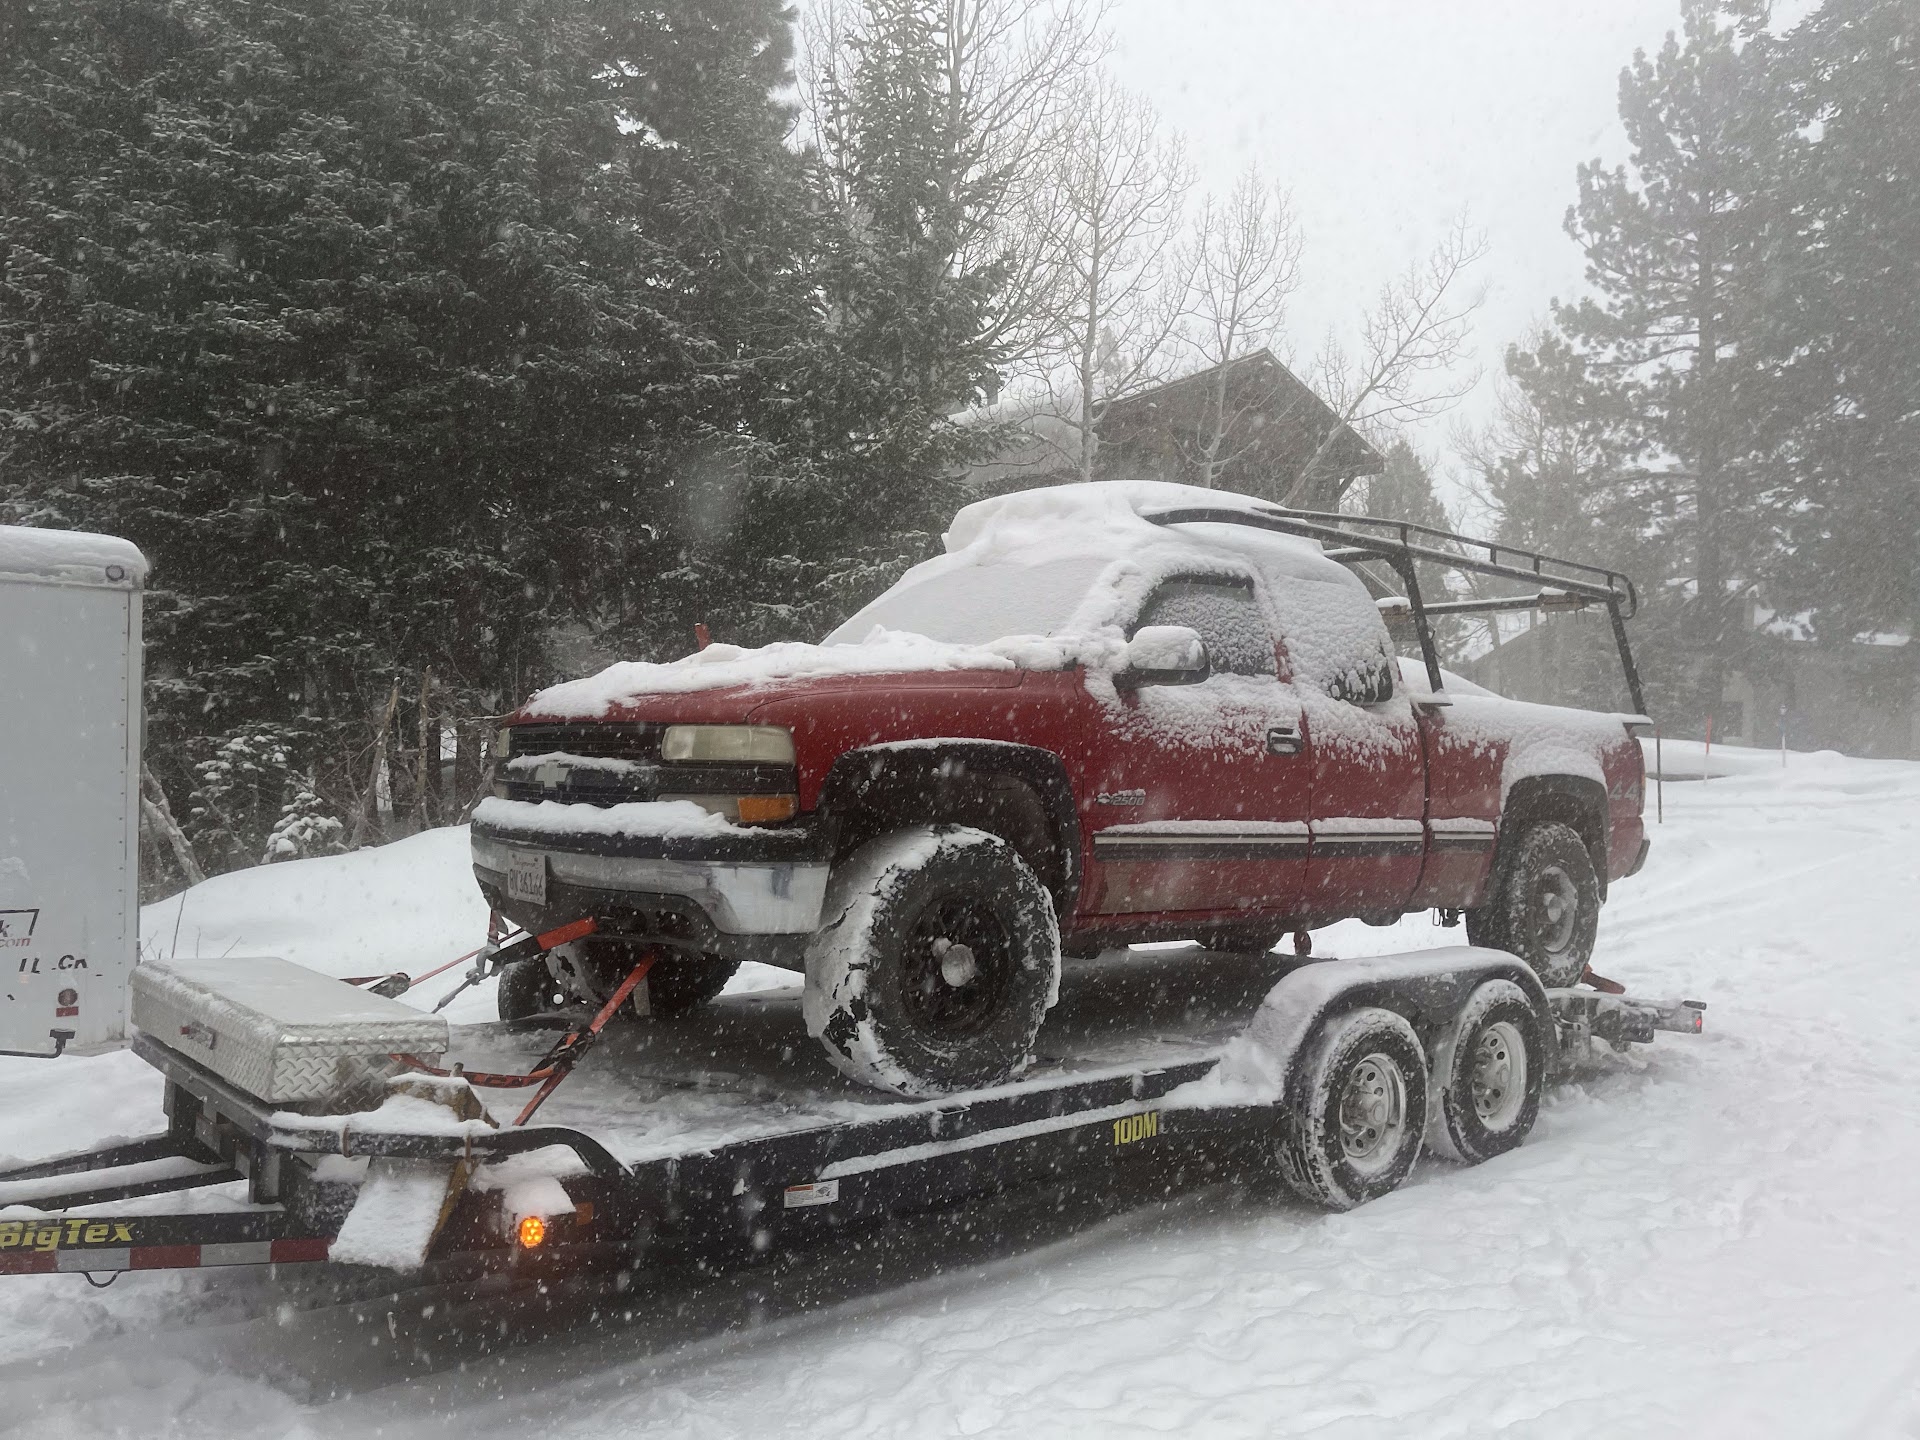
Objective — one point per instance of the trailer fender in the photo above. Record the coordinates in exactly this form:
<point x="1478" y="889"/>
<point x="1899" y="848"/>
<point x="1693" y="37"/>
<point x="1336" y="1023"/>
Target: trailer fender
<point x="1428" y="987"/>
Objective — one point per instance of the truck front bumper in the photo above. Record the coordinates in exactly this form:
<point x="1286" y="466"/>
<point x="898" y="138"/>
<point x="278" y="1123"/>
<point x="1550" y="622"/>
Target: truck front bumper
<point x="758" y="884"/>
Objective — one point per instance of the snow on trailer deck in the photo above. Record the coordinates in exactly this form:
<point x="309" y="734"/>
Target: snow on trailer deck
<point x="1711" y="1237"/>
<point x="745" y="1068"/>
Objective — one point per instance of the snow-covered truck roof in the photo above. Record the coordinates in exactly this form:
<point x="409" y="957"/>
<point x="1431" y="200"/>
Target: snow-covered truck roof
<point x="70" y="557"/>
<point x="1036" y="580"/>
<point x="1075" y="561"/>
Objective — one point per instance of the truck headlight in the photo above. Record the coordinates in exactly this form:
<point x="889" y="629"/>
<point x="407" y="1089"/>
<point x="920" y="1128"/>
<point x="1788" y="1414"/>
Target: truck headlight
<point x="502" y="743"/>
<point x="744" y="744"/>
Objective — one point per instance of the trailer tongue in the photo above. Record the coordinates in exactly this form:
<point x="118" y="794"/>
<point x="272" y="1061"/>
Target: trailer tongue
<point x="310" y="1093"/>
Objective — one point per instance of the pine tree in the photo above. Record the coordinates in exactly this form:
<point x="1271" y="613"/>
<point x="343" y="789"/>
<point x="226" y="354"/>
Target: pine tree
<point x="1675" y="260"/>
<point x="388" y="332"/>
<point x="1838" y="343"/>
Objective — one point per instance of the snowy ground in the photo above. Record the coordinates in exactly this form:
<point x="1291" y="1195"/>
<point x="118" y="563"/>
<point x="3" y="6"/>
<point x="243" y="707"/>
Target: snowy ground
<point x="1715" y="1237"/>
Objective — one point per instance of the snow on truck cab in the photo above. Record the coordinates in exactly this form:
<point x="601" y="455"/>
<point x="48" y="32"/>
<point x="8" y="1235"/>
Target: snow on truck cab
<point x="1109" y="713"/>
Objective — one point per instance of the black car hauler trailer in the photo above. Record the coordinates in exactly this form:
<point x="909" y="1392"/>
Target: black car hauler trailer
<point x="672" y="1160"/>
<point x="308" y="1123"/>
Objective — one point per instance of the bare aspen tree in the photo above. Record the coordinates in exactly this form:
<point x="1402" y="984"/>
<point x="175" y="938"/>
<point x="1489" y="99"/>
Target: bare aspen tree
<point x="1412" y="343"/>
<point x="1245" y="264"/>
<point x="1001" y="74"/>
<point x="1122" y="187"/>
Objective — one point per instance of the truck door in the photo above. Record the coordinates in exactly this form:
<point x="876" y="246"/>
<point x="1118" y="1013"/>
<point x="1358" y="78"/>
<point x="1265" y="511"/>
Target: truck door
<point x="1202" y="802"/>
<point x="1368" y="769"/>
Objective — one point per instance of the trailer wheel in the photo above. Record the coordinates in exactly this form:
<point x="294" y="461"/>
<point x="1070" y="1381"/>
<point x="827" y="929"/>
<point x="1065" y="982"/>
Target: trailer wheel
<point x="939" y="959"/>
<point x="1488" y="1070"/>
<point x="1544" y="905"/>
<point x="1362" y="1110"/>
<point x="527" y="989"/>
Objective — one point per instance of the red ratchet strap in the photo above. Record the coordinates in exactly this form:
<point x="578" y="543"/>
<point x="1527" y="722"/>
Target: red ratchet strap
<point x="437" y="970"/>
<point x="558" y="1062"/>
<point x="506" y="954"/>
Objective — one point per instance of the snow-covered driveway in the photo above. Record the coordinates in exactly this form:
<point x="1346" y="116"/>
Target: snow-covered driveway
<point x="1715" y="1237"/>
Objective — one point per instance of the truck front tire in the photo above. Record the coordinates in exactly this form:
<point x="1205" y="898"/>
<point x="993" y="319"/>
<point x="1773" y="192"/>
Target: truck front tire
<point x="1544" y="904"/>
<point x="938" y="959"/>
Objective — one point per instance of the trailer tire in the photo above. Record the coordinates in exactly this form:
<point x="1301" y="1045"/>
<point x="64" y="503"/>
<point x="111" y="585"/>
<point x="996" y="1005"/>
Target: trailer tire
<point x="1544" y="905"/>
<point x="527" y="989"/>
<point x="1489" y="1067"/>
<point x="939" y="958"/>
<point x="1355" y="1131"/>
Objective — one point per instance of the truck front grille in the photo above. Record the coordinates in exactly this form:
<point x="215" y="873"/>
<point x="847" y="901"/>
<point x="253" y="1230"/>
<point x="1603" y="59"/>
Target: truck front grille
<point x="581" y="764"/>
<point x="614" y="764"/>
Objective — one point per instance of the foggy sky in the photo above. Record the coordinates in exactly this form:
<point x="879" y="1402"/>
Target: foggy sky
<point x="1385" y="117"/>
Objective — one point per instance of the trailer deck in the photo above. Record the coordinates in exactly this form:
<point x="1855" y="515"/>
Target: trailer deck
<point x="724" y="1134"/>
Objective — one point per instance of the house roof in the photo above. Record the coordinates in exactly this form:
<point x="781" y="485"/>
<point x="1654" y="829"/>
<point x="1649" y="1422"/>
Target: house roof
<point x="1275" y="428"/>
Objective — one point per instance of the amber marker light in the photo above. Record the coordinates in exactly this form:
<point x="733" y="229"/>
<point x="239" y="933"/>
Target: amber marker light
<point x="764" y="809"/>
<point x="533" y="1232"/>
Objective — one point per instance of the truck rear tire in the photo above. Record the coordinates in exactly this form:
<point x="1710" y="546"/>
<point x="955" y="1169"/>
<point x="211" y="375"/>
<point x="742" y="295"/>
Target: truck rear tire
<point x="1362" y="1113"/>
<point x="679" y="982"/>
<point x="1544" y="904"/>
<point x="937" y="961"/>
<point x="1488" y="1070"/>
<point x="527" y="989"/>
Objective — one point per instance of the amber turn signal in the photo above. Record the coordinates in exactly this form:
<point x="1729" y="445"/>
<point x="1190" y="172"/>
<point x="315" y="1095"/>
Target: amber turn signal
<point x="764" y="809"/>
<point x="533" y="1232"/>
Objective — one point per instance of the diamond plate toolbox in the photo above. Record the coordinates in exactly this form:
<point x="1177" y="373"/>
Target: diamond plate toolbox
<point x="279" y="1031"/>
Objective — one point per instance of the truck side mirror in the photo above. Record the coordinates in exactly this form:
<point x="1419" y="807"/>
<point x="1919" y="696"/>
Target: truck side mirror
<point x="1164" y="655"/>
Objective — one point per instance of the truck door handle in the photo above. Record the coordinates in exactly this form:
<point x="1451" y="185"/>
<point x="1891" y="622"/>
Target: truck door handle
<point x="1284" y="740"/>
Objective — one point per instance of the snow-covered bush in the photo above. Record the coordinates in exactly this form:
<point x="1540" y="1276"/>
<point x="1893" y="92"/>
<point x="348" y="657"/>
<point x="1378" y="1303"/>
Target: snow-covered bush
<point x="253" y="802"/>
<point x="305" y="827"/>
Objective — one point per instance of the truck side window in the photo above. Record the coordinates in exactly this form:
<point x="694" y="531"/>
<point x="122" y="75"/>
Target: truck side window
<point x="1225" y="613"/>
<point x="1336" y="640"/>
<point x="1369" y="681"/>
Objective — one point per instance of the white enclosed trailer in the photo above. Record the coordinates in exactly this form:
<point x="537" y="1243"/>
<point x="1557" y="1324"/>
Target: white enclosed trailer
<point x="69" y="787"/>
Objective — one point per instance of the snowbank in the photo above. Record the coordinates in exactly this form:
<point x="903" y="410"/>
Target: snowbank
<point x="407" y="906"/>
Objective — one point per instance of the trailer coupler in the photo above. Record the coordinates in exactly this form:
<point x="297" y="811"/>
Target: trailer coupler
<point x="1621" y="1019"/>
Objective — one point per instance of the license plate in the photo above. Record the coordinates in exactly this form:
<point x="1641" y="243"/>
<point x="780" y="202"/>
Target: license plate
<point x="527" y="878"/>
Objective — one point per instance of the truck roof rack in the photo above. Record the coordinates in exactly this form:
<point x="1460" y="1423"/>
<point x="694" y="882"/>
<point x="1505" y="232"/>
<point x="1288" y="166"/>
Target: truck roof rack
<point x="1564" y="584"/>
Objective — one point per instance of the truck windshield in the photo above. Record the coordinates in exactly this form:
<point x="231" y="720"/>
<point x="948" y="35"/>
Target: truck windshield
<point x="974" y="604"/>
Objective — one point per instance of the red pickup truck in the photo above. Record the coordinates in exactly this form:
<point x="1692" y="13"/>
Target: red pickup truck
<point x="1110" y="713"/>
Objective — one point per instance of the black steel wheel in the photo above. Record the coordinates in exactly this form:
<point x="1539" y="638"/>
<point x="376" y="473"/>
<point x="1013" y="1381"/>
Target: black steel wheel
<point x="956" y="967"/>
<point x="1544" y="904"/>
<point x="937" y="961"/>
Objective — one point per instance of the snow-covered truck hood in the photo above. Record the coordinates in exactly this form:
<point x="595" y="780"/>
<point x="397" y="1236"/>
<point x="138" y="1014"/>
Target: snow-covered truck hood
<point x="728" y="682"/>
